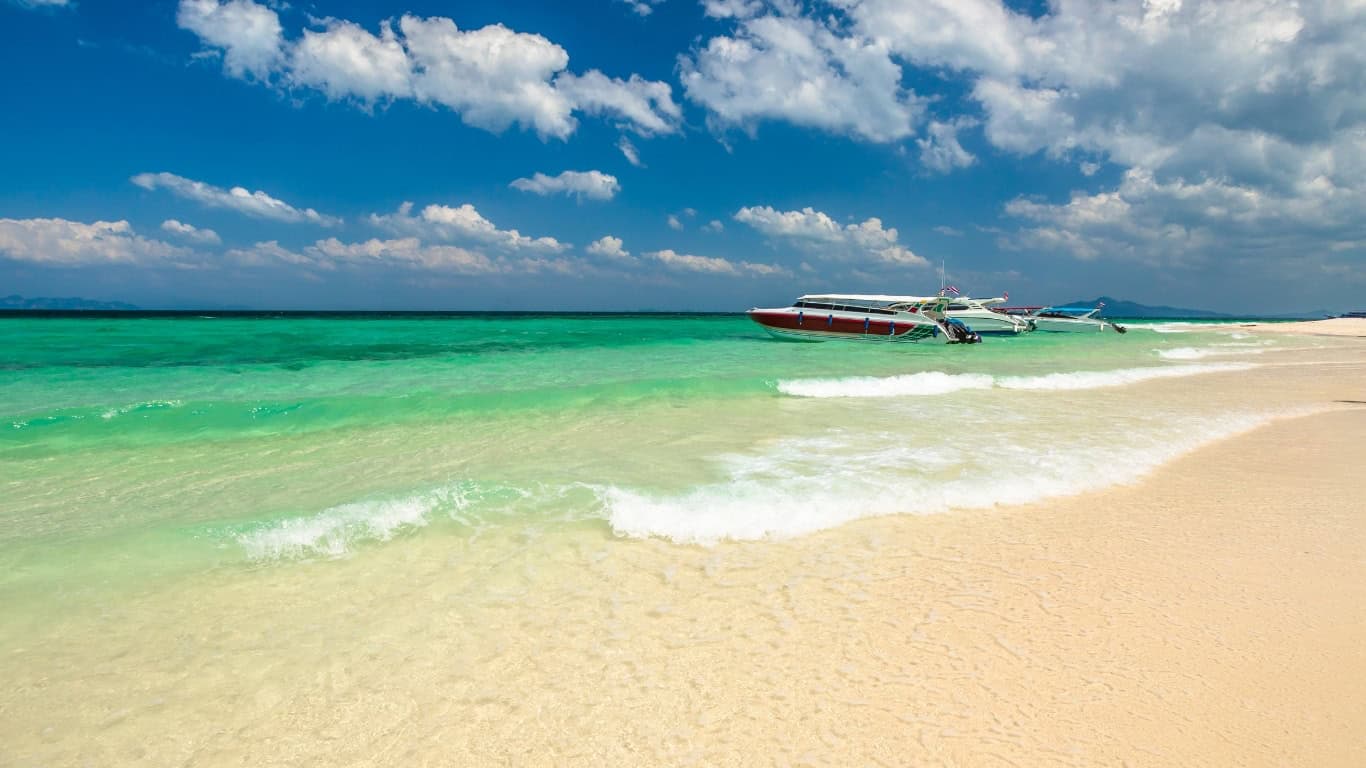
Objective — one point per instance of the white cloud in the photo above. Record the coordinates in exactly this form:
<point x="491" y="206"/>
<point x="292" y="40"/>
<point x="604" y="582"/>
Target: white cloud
<point x="594" y="185"/>
<point x="249" y="33"/>
<point x="65" y="243"/>
<point x="399" y="253"/>
<point x="674" y="223"/>
<point x="803" y="71"/>
<point x="1181" y="223"/>
<point x="258" y="203"/>
<point x="492" y="77"/>
<point x="940" y="150"/>
<point x="713" y="265"/>
<point x="714" y="226"/>
<point x="1261" y="96"/>
<point x="645" y="106"/>
<point x="642" y="7"/>
<point x="444" y="222"/>
<point x="344" y="60"/>
<point x="191" y="232"/>
<point x="820" y="233"/>
<point x="732" y="9"/>
<point x="609" y="247"/>
<point x="948" y="231"/>
<point x="629" y="150"/>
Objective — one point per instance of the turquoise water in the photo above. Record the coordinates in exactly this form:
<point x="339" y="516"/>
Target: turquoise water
<point x="136" y="450"/>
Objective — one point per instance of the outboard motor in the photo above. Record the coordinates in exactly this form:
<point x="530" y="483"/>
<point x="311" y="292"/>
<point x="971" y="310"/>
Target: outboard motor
<point x="962" y="334"/>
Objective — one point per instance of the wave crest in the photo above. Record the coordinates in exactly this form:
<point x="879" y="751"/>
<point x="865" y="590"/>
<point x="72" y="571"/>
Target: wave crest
<point x="939" y="383"/>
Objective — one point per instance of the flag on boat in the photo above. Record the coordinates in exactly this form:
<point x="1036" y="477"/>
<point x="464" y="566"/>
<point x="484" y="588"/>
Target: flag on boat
<point x="1005" y="295"/>
<point x="949" y="289"/>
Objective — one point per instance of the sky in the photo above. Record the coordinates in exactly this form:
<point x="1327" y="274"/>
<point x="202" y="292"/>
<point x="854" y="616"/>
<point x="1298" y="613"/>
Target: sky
<point x="682" y="155"/>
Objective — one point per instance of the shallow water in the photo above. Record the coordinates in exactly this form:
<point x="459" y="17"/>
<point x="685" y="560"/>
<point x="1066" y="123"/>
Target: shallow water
<point x="189" y="463"/>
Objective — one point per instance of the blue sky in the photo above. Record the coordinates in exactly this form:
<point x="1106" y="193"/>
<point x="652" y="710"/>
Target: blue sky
<point x="676" y="154"/>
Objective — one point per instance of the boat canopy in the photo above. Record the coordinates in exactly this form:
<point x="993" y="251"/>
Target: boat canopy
<point x="881" y="299"/>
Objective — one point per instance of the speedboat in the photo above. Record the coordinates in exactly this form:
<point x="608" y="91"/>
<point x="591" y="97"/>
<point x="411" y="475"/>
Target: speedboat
<point x="822" y="317"/>
<point x="1070" y="320"/>
<point x="980" y="316"/>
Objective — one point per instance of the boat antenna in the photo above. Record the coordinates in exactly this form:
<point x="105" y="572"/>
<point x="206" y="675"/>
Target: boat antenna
<point x="942" y="262"/>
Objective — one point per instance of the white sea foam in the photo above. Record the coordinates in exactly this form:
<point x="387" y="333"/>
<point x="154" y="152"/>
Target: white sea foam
<point x="149" y="405"/>
<point x="1118" y="378"/>
<point x="803" y="486"/>
<point x="335" y="531"/>
<point x="938" y="383"/>
<point x="1200" y="353"/>
<point x="1183" y="353"/>
<point x="926" y="383"/>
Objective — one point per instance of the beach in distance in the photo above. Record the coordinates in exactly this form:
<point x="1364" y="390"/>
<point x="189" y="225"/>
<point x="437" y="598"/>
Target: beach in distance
<point x="670" y="540"/>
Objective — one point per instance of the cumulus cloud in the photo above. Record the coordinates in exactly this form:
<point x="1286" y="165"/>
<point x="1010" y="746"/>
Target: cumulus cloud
<point x="798" y="69"/>
<point x="940" y="150"/>
<point x="258" y="203"/>
<point x="408" y="253"/>
<point x="714" y="226"/>
<point x="249" y="34"/>
<point x="443" y="222"/>
<point x="65" y="243"/>
<point x="732" y="9"/>
<point x="594" y="185"/>
<point x="644" y="106"/>
<point x="344" y="60"/>
<point x="674" y="223"/>
<point x="685" y="262"/>
<point x="492" y="77"/>
<point x="1206" y="98"/>
<point x="1183" y="223"/>
<point x="191" y="232"/>
<point x="821" y="234"/>
<point x="609" y="247"/>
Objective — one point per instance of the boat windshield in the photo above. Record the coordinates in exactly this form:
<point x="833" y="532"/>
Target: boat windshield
<point x="804" y="304"/>
<point x="1067" y="313"/>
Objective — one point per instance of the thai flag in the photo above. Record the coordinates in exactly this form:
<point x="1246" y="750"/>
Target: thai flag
<point x="949" y="289"/>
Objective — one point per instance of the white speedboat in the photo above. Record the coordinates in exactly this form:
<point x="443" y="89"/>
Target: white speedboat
<point x="980" y="317"/>
<point x="1067" y="320"/>
<point x="822" y="317"/>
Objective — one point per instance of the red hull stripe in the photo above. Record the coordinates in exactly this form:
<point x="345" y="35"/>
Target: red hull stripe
<point x="857" y="326"/>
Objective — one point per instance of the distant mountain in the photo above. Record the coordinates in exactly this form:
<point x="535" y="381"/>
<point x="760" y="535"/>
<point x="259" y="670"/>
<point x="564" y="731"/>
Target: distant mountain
<point x="1120" y="308"/>
<point x="71" y="302"/>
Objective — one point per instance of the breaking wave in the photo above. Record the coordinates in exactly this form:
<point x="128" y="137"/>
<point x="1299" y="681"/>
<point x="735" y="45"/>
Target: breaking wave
<point x="804" y="486"/>
<point x="938" y="383"/>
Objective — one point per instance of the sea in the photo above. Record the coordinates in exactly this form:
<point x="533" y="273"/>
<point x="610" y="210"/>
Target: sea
<point x="166" y="477"/>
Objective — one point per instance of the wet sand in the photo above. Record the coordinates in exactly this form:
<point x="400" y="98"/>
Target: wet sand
<point x="1213" y="613"/>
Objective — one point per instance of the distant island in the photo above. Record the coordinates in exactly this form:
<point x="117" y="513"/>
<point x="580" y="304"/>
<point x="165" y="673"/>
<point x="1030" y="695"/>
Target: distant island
<point x="16" y="301"/>
<point x="1120" y="308"/>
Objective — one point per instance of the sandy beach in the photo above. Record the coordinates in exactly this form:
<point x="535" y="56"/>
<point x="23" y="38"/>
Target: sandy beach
<point x="1336" y="326"/>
